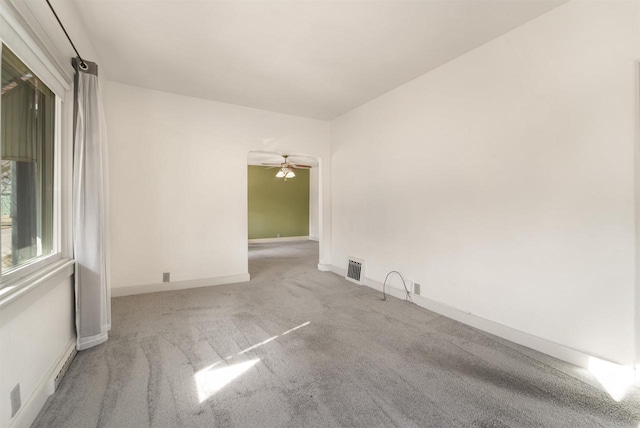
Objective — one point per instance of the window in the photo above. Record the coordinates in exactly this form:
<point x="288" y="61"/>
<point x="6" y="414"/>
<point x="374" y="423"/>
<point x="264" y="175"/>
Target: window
<point x="27" y="141"/>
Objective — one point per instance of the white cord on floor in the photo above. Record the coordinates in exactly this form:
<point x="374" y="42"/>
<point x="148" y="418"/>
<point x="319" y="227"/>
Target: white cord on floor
<point x="384" y="285"/>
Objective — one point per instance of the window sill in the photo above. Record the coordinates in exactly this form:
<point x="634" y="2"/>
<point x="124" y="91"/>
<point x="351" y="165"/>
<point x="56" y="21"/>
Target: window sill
<point x="53" y="272"/>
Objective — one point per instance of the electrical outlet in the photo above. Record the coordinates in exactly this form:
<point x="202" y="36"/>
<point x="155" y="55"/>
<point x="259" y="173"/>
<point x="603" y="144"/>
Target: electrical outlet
<point x="15" y="400"/>
<point x="416" y="288"/>
<point x="278" y="235"/>
<point x="166" y="277"/>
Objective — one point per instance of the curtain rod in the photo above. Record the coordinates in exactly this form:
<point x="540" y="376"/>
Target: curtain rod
<point x="82" y="64"/>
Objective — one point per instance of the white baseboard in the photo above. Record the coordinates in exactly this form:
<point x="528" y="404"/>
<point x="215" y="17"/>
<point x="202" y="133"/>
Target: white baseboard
<point x="178" y="285"/>
<point x="333" y="268"/>
<point x="314" y="238"/>
<point x="326" y="268"/>
<point x="283" y="239"/>
<point x="545" y="346"/>
<point x="32" y="406"/>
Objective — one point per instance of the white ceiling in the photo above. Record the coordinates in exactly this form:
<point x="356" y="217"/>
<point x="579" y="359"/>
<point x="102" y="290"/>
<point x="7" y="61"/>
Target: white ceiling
<point x="316" y="59"/>
<point x="260" y="157"/>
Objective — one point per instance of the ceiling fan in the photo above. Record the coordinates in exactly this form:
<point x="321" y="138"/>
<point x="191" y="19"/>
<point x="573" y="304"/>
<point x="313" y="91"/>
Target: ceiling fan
<point x="287" y="168"/>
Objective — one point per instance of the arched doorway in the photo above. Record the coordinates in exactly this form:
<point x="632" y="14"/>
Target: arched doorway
<point x="284" y="209"/>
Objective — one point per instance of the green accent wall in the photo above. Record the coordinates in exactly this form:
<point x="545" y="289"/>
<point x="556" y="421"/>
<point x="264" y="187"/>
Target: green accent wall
<point x="277" y="206"/>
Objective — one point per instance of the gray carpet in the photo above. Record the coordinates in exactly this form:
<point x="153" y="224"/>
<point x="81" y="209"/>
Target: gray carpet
<point x="209" y="357"/>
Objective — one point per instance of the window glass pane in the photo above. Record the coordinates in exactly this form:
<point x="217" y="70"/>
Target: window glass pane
<point x="26" y="153"/>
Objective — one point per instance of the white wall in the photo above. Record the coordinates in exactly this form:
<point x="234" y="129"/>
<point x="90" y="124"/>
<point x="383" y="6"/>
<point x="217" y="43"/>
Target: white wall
<point x="37" y="329"/>
<point x="178" y="182"/>
<point x="503" y="181"/>
<point x="314" y="226"/>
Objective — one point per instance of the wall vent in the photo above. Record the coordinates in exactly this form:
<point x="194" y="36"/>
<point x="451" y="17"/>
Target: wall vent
<point x="355" y="270"/>
<point x="63" y="370"/>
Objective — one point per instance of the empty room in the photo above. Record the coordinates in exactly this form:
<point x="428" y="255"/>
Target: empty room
<point x="320" y="213"/>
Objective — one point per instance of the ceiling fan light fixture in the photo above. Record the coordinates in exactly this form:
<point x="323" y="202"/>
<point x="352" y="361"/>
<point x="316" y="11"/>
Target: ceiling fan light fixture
<point x="285" y="172"/>
<point x="286" y="168"/>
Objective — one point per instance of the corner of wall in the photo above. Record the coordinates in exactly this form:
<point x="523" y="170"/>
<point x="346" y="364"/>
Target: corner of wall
<point x="637" y="211"/>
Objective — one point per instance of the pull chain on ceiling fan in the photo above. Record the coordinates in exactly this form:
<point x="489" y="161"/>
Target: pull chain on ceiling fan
<point x="287" y="168"/>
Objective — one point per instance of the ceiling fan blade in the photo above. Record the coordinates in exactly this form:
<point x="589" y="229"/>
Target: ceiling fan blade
<point x="271" y="164"/>
<point x="301" y="166"/>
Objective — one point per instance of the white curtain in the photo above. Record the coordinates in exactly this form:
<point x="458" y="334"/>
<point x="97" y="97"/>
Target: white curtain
<point x="90" y="212"/>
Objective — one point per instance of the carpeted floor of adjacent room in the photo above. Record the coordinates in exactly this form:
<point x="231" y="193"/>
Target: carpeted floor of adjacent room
<point x="297" y="347"/>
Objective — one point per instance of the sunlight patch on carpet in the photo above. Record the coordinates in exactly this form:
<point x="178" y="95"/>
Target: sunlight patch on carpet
<point x="615" y="379"/>
<point x="211" y="380"/>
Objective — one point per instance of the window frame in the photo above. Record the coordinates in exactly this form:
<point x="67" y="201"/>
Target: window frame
<point x="29" y="267"/>
<point x="15" y="37"/>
